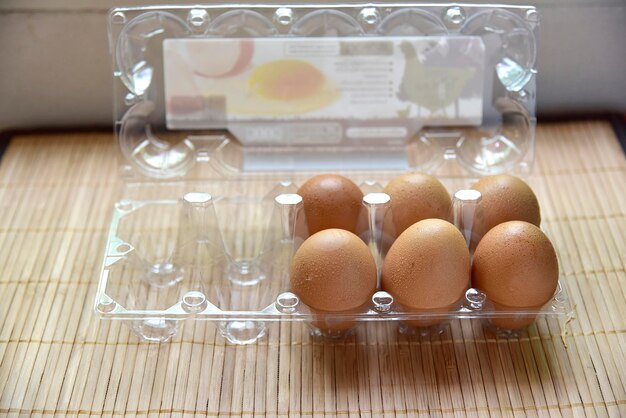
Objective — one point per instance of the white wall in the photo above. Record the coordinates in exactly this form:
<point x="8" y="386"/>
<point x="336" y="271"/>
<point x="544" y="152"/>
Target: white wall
<point x="55" y="68"/>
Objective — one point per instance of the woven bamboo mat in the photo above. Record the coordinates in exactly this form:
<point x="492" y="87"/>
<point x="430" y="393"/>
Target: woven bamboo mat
<point x="57" y="357"/>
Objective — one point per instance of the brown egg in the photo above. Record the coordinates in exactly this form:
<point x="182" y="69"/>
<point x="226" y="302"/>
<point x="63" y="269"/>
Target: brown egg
<point x="516" y="266"/>
<point x="506" y="198"/>
<point x="331" y="201"/>
<point x="414" y="197"/>
<point x="427" y="268"/>
<point x="333" y="271"/>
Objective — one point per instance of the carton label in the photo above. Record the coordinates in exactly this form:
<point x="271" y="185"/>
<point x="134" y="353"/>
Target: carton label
<point x="290" y="91"/>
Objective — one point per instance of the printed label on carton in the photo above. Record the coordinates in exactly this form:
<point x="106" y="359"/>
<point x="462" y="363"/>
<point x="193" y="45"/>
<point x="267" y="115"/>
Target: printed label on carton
<point x="288" y="91"/>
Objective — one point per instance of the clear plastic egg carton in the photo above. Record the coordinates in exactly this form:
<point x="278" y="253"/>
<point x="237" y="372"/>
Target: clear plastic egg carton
<point x="207" y="226"/>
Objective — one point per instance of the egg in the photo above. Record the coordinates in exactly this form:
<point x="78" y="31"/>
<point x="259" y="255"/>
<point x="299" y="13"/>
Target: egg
<point x="505" y="198"/>
<point x="427" y="269"/>
<point x="516" y="266"/>
<point x="414" y="197"/>
<point x="235" y="57"/>
<point x="331" y="201"/>
<point x="333" y="271"/>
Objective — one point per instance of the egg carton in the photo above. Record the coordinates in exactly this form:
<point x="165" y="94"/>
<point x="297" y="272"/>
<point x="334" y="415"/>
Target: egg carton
<point x="206" y="227"/>
<point x="225" y="256"/>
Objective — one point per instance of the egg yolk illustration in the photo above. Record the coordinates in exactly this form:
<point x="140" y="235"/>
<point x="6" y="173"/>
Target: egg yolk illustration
<point x="286" y="80"/>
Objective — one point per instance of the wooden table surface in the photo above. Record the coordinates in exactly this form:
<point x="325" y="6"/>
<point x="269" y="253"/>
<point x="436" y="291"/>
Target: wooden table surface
<point x="57" y="357"/>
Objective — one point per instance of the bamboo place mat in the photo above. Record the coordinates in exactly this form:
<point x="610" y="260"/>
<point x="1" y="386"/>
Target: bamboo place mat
<point x="57" y="357"/>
